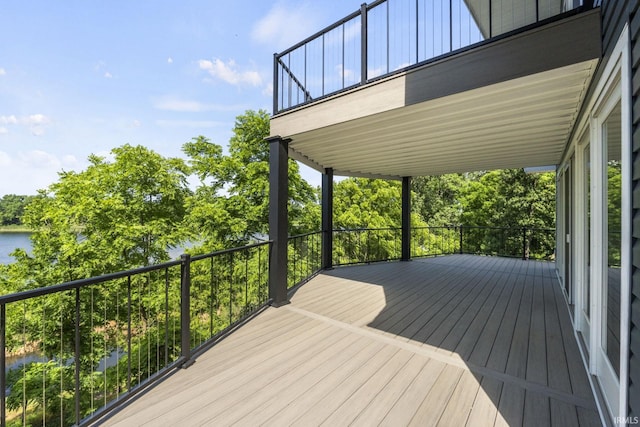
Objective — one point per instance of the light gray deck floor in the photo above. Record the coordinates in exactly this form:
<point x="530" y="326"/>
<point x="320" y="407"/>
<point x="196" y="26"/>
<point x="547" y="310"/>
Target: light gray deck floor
<point x="452" y="341"/>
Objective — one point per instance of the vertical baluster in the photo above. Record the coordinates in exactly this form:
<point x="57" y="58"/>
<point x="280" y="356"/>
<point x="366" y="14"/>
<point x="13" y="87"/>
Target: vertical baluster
<point x="166" y="316"/>
<point x="211" y="298"/>
<point x="364" y="43"/>
<point x="76" y="357"/>
<point x="128" y="332"/>
<point x="185" y="309"/>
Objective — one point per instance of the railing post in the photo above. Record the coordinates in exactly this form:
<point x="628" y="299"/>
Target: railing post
<point x="327" y="219"/>
<point x="363" y="43"/>
<point x="276" y="94"/>
<point x="278" y="219"/>
<point x="185" y="310"/>
<point x="461" y="251"/>
<point x="406" y="219"/>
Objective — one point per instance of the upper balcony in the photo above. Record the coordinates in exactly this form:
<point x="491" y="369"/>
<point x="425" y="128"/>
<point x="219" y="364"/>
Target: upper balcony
<point x="423" y="87"/>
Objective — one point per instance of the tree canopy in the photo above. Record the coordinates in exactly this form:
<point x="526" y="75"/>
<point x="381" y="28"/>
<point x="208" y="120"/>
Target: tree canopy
<point x="12" y="208"/>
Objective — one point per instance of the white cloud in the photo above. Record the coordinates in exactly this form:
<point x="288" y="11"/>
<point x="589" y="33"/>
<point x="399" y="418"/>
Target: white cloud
<point x="169" y="103"/>
<point x="3" y="72"/>
<point x="268" y="90"/>
<point x="4" y="131"/>
<point x="37" y="119"/>
<point x="35" y="122"/>
<point x="69" y="159"/>
<point x="101" y="68"/>
<point x="229" y="72"/>
<point x="26" y="172"/>
<point x="5" y="160"/>
<point x="375" y="72"/>
<point x="9" y="120"/>
<point x="136" y="124"/>
<point x="169" y="60"/>
<point x="346" y="73"/>
<point x="286" y="24"/>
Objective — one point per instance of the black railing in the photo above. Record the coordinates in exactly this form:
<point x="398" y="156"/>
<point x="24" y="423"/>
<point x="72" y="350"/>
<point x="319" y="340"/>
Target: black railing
<point x="525" y="243"/>
<point x="387" y="36"/>
<point x="432" y="241"/>
<point x="365" y="245"/>
<point x="83" y="347"/>
<point x="361" y="246"/>
<point x="304" y="258"/>
<point x="73" y="352"/>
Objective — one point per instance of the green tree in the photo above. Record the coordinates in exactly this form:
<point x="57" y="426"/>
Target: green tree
<point x="231" y="204"/>
<point x="115" y="215"/>
<point x="361" y="204"/>
<point x="12" y="208"/>
<point x="614" y="212"/>
<point x="513" y="199"/>
<point x="112" y="216"/>
<point x="437" y="198"/>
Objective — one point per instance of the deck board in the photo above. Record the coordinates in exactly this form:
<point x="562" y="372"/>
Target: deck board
<point x="451" y="341"/>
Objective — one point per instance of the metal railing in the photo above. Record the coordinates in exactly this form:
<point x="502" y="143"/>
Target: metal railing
<point x="433" y="241"/>
<point x="365" y="245"/>
<point x="523" y="242"/>
<point x="361" y="246"/>
<point x="304" y="258"/>
<point x="388" y="36"/>
<point x="88" y="345"/>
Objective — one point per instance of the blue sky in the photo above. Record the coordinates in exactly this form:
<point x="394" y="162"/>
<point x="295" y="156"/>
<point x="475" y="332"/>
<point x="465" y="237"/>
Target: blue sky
<point x="81" y="77"/>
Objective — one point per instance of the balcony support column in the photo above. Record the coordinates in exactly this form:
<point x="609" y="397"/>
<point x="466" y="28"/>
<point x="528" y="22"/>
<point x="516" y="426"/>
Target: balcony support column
<point x="327" y="219"/>
<point x="406" y="219"/>
<point x="278" y="218"/>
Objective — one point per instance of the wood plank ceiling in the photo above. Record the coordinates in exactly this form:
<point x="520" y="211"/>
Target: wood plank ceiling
<point x="523" y="122"/>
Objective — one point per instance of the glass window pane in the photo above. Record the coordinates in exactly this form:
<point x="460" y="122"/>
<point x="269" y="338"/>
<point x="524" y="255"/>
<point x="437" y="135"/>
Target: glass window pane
<point x="612" y="132"/>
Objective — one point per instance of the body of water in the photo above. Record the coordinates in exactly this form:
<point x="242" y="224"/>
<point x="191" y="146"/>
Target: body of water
<point x="9" y="242"/>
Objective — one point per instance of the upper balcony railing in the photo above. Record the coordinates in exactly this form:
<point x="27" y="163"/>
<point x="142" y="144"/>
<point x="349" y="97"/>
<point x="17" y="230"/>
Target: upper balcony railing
<point x="393" y="35"/>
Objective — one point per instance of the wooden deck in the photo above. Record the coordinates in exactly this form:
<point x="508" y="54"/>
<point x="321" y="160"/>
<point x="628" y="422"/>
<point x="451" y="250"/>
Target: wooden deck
<point x="452" y="341"/>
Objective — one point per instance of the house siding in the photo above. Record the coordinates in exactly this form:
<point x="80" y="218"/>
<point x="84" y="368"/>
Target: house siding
<point x="615" y="14"/>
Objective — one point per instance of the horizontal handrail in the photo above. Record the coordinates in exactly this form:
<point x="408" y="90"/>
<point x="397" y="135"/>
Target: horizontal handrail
<point x="232" y="250"/>
<point x="66" y="286"/>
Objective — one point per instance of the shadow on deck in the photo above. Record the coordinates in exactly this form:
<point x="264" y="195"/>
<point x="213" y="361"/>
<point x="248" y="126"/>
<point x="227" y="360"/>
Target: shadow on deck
<point x="455" y="340"/>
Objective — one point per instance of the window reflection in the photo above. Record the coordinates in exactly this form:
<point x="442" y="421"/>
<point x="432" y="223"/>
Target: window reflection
<point x="612" y="137"/>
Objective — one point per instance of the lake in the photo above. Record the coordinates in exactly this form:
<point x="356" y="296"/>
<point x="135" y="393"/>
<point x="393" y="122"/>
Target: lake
<point x="9" y="242"/>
